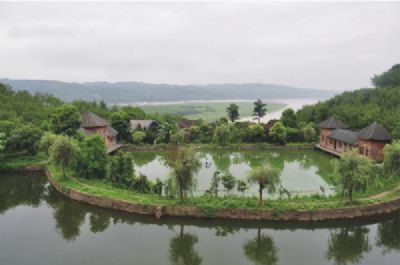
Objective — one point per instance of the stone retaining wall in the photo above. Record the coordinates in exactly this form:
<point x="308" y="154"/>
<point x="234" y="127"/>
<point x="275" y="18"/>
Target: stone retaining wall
<point x="238" y="214"/>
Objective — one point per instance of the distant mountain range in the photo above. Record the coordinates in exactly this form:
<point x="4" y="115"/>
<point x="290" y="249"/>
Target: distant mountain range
<point x="130" y="92"/>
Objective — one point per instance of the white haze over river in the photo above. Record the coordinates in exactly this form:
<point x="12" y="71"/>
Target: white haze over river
<point x="294" y="103"/>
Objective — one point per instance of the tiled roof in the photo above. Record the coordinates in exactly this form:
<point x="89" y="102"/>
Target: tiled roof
<point x="345" y="136"/>
<point x="90" y="120"/>
<point x="375" y="132"/>
<point x="332" y="123"/>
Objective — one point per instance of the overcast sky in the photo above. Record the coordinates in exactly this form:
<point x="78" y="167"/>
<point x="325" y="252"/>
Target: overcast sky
<point x="326" y="45"/>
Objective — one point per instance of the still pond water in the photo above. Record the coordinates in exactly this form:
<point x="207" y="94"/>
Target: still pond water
<point x="38" y="226"/>
<point x="302" y="172"/>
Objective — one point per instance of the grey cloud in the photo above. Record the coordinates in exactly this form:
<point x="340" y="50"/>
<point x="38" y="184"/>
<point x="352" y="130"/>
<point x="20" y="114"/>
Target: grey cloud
<point x="321" y="45"/>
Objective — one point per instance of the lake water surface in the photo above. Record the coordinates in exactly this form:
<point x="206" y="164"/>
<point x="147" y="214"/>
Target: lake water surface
<point x="303" y="172"/>
<point x="38" y="226"/>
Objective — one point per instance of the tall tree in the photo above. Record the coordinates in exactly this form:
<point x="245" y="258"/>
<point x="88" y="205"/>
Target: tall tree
<point x="354" y="171"/>
<point x="184" y="163"/>
<point x="66" y="120"/>
<point x="63" y="152"/>
<point x="289" y="118"/>
<point x="2" y="143"/>
<point x="266" y="177"/>
<point x="120" y="121"/>
<point x="93" y="160"/>
<point x="260" y="109"/>
<point x="233" y="112"/>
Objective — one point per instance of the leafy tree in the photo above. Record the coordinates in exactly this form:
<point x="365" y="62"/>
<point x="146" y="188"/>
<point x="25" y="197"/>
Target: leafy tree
<point x="388" y="78"/>
<point x="261" y="250"/>
<point x="66" y="120"/>
<point x="255" y="133"/>
<point x="120" y="121"/>
<point x="347" y="245"/>
<point x="233" y="112"/>
<point x="242" y="186"/>
<point x="221" y="135"/>
<point x="278" y="133"/>
<point x="228" y="181"/>
<point x="93" y="161"/>
<point x="138" y="137"/>
<point x="184" y="163"/>
<point x="2" y="144"/>
<point x="47" y="141"/>
<point x="62" y="152"/>
<point x="177" y="138"/>
<point x="260" y="109"/>
<point x="309" y="133"/>
<point x="354" y="170"/>
<point x="289" y="118"/>
<point x="391" y="164"/>
<point x="25" y="137"/>
<point x="213" y="190"/>
<point x="266" y="177"/>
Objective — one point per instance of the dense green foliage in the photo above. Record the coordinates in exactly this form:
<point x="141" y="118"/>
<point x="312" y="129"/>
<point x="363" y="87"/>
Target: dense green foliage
<point x="361" y="107"/>
<point x="392" y="159"/>
<point x="62" y="152"/>
<point x="120" y="121"/>
<point x="354" y="172"/>
<point x="66" y="120"/>
<point x="24" y="138"/>
<point x="388" y="78"/>
<point x="92" y="161"/>
<point x="278" y="133"/>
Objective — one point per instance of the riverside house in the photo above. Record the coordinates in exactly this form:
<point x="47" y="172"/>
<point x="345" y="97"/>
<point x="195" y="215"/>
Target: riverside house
<point x="335" y="138"/>
<point x="92" y="124"/>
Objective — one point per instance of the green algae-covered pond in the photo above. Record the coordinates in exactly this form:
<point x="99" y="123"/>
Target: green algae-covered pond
<point x="303" y="172"/>
<point x="39" y="226"/>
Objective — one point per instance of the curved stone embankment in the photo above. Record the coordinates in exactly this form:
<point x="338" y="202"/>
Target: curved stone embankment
<point x="238" y="214"/>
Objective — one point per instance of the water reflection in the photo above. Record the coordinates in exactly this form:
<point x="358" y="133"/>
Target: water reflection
<point x="388" y="235"/>
<point x="182" y="249"/>
<point x="87" y="230"/>
<point x="261" y="250"/>
<point x="303" y="173"/>
<point x="347" y="245"/>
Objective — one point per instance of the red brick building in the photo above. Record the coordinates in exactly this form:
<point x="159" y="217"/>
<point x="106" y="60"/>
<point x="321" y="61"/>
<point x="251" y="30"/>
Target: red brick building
<point x="334" y="138"/>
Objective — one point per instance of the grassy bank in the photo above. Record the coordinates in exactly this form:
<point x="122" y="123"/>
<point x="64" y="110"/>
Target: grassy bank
<point x="209" y="205"/>
<point x="22" y="161"/>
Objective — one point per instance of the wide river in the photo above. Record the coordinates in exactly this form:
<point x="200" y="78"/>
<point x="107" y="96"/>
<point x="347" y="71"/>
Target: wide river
<point x="38" y="226"/>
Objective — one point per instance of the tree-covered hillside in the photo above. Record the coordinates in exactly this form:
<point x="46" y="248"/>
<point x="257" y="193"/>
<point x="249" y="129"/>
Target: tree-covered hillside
<point x="128" y="92"/>
<point x="361" y="107"/>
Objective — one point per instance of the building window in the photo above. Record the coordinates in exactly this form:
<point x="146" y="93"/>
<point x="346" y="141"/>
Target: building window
<point x="340" y="144"/>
